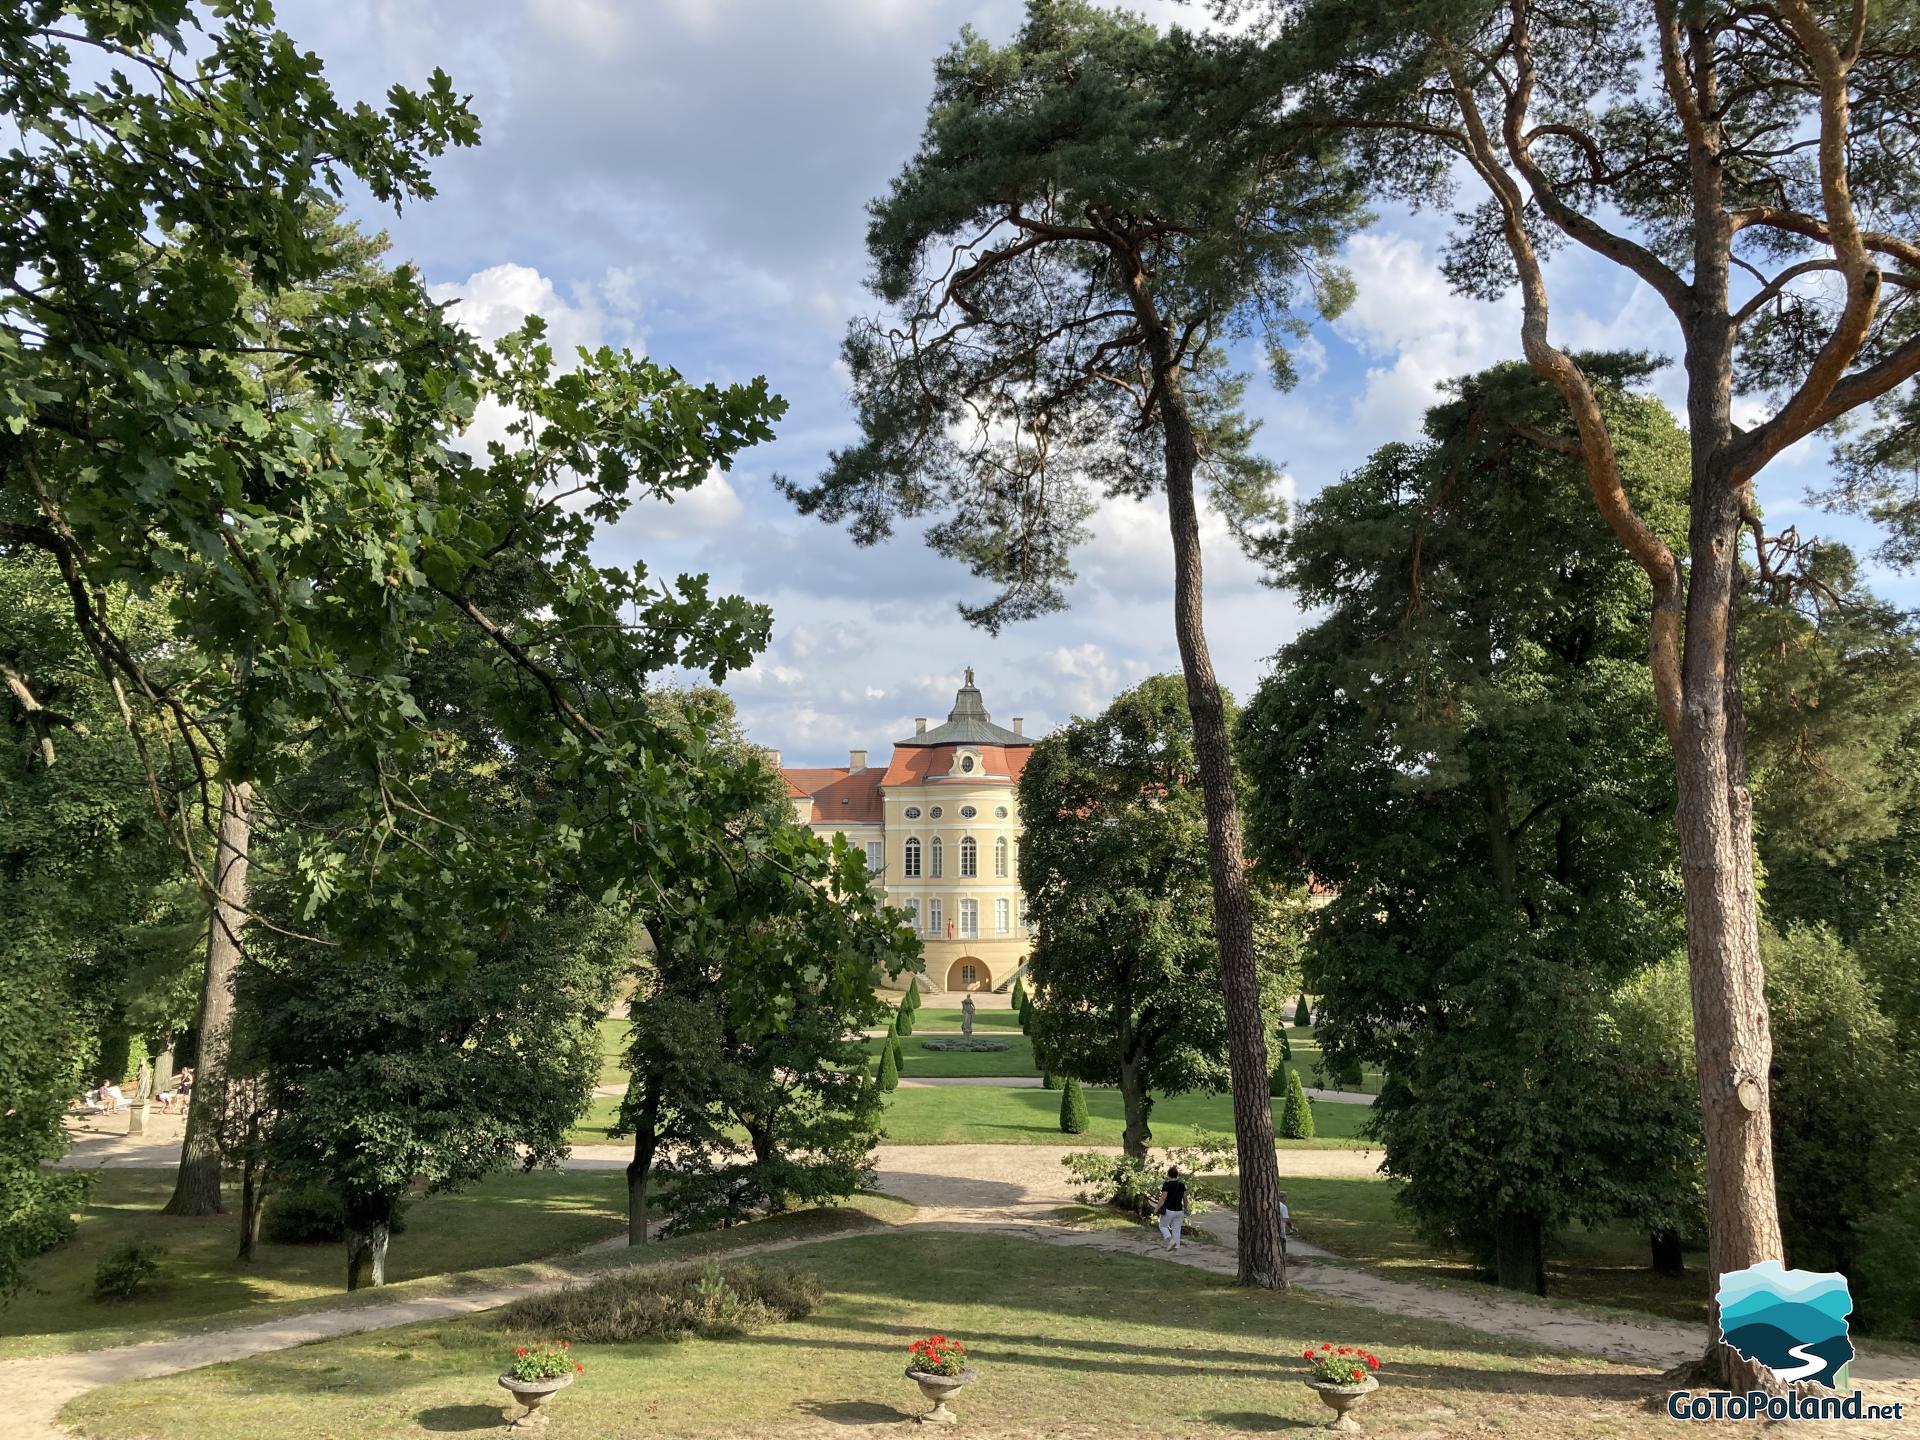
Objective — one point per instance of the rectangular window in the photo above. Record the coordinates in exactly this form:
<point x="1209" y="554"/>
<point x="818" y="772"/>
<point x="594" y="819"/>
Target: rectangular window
<point x="933" y="916"/>
<point x="910" y="859"/>
<point x="969" y="917"/>
<point x="1020" y="913"/>
<point x="876" y="857"/>
<point x="1002" y="916"/>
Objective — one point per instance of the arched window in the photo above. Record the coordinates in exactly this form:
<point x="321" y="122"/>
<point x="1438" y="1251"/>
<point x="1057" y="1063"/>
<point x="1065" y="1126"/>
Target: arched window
<point x="1000" y="858"/>
<point x="910" y="858"/>
<point x="969" y="859"/>
<point x="933" y="858"/>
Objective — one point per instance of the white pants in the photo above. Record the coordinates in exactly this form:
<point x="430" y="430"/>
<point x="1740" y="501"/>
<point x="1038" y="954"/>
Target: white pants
<point x="1170" y="1223"/>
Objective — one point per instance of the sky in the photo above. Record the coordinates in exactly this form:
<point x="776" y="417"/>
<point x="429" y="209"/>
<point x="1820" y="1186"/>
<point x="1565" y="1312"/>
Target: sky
<point x="688" y="178"/>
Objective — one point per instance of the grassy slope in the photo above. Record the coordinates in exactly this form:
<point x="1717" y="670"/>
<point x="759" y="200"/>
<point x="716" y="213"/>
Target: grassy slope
<point x="1080" y="1343"/>
<point x="502" y="1221"/>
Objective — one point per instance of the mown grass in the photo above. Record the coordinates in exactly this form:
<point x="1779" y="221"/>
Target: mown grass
<point x="504" y="1220"/>
<point x="1306" y="1058"/>
<point x="1064" y="1342"/>
<point x="925" y="1064"/>
<point x="993" y="1115"/>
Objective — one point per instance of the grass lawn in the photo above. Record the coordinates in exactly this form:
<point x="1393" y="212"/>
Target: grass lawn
<point x="1074" y="1343"/>
<point x="504" y="1220"/>
<point x="613" y="1045"/>
<point x="1306" y="1059"/>
<point x="926" y="1018"/>
<point x="922" y="1063"/>
<point x="991" y="1115"/>
<point x="1357" y="1220"/>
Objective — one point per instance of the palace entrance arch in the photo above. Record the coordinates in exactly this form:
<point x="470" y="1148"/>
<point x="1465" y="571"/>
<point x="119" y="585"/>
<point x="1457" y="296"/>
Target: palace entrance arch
<point x="969" y="972"/>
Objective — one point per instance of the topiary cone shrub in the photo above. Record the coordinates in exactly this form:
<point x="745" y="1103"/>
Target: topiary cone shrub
<point x="1073" y="1109"/>
<point x="899" y="1055"/>
<point x="1026" y="1013"/>
<point x="1049" y="1081"/>
<point x="912" y="1000"/>
<point x="1019" y="996"/>
<point x="903" y="1020"/>
<point x="1296" y="1119"/>
<point x="1302" y="1016"/>
<point x="889" y="1073"/>
<point x="1277" y="1081"/>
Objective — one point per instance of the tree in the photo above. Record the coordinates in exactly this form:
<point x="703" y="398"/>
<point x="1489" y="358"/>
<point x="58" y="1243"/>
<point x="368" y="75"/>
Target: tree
<point x="887" y="1072"/>
<point x="1302" y="1016"/>
<point x="1073" y="1108"/>
<point x="1750" y="179"/>
<point x="1092" y="210"/>
<point x="1113" y="865"/>
<point x="1296" y="1120"/>
<point x="1466" y="748"/>
<point x="903" y="1019"/>
<point x="1019" y="994"/>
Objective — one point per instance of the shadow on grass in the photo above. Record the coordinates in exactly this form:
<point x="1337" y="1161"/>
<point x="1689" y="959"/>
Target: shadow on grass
<point x="456" y="1419"/>
<point x="1259" y="1422"/>
<point x="853" y="1412"/>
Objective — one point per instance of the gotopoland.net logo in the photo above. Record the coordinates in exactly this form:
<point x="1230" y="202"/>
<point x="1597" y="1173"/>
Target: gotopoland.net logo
<point x="1794" y="1322"/>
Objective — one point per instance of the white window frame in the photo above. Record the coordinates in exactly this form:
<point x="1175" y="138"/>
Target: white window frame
<point x="933" y="916"/>
<point x="936" y="856"/>
<point x="1003" y="916"/>
<point x="969" y="918"/>
<point x="1000" y="854"/>
<point x="969" y="858"/>
<point x="876" y="856"/>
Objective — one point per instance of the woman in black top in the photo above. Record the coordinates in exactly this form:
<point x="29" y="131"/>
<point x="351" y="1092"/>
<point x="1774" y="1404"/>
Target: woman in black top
<point x="1173" y="1207"/>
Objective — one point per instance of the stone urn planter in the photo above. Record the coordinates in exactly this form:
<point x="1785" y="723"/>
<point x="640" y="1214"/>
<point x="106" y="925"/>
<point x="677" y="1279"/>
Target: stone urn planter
<point x="532" y="1394"/>
<point x="937" y="1388"/>
<point x="1343" y="1400"/>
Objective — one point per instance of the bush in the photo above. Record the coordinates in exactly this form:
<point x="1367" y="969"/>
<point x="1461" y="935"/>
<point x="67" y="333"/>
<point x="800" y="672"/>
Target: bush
<point x="903" y="1020"/>
<point x="1302" y="1016"/>
<point x="968" y="1044"/>
<point x="1296" y="1119"/>
<point x="1026" y="1013"/>
<point x="126" y="1270"/>
<point x="1073" y="1109"/>
<point x="1277" y="1080"/>
<point x="1886" y="1276"/>
<point x="912" y="1000"/>
<point x="1134" y="1185"/>
<point x="1049" y="1080"/>
<point x="1019" y="995"/>
<point x="311" y="1213"/>
<point x="889" y="1073"/>
<point x="712" y="1301"/>
<point x="899" y="1055"/>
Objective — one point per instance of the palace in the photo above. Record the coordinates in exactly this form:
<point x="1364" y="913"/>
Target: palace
<point x="940" y="827"/>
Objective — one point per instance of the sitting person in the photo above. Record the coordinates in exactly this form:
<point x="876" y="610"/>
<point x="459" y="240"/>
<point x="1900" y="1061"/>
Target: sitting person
<point x="105" y="1099"/>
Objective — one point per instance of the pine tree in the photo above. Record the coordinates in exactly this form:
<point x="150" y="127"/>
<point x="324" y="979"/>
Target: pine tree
<point x="1073" y="1109"/>
<point x="889" y="1073"/>
<point x="1302" y="1016"/>
<point x="1296" y="1120"/>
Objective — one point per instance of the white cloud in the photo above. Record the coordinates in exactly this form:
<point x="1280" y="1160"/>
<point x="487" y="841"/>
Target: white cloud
<point x="498" y="300"/>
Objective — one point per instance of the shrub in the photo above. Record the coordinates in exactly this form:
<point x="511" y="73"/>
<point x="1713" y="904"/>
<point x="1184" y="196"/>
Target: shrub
<point x="1049" y="1080"/>
<point x="1296" y="1119"/>
<point x="1026" y="1013"/>
<point x="903" y="1020"/>
<point x="966" y="1044"/>
<point x="712" y="1301"/>
<point x="1019" y="995"/>
<point x="912" y="1000"/>
<point x="1277" y="1081"/>
<point x="1073" y="1108"/>
<point x="1134" y="1185"/>
<point x="899" y="1055"/>
<point x="1886" y="1276"/>
<point x="126" y="1270"/>
<point x="1302" y="1016"/>
<point x="889" y="1073"/>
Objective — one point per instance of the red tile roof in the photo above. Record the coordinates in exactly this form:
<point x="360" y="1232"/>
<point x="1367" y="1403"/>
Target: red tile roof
<point x="840" y="797"/>
<point x="915" y="764"/>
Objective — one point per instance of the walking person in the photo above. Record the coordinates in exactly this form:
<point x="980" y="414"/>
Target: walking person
<point x="1286" y="1224"/>
<point x="1173" y="1207"/>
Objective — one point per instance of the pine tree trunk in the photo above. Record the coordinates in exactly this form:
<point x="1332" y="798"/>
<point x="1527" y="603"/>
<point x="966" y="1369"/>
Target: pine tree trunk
<point x="1136" y="1104"/>
<point x="369" y="1223"/>
<point x="1262" y="1262"/>
<point x="250" y="1205"/>
<point x="1668" y="1258"/>
<point x="1733" y="1047"/>
<point x="196" y="1190"/>
<point x="1520" y="1252"/>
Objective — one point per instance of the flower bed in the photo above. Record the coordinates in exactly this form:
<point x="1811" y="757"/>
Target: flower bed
<point x="966" y="1044"/>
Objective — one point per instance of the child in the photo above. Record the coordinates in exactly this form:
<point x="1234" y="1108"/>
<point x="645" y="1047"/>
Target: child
<point x="1286" y="1224"/>
<point x="1173" y="1207"/>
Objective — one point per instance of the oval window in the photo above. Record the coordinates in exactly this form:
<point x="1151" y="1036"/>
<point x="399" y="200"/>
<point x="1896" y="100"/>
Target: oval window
<point x="967" y="812"/>
<point x="934" y="813"/>
<point x="966" y="763"/>
<point x="912" y="812"/>
<point x="1000" y="813"/>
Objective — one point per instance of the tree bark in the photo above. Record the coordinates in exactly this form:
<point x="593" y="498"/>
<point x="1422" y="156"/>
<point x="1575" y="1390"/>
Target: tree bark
<point x="1668" y="1259"/>
<point x="196" y="1190"/>
<point x="1520" y="1252"/>
<point x="640" y="1168"/>
<point x="369" y="1223"/>
<point x="1262" y="1260"/>
<point x="1137" y="1104"/>
<point x="251" y="1199"/>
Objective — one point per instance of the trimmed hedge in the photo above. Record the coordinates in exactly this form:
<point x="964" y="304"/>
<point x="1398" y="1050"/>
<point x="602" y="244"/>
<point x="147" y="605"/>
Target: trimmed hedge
<point x="1073" y="1109"/>
<point x="1296" y="1119"/>
<point x="1302" y="1016"/>
<point x="889" y="1073"/>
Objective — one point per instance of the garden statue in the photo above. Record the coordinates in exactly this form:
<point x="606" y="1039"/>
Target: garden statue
<point x="966" y="1016"/>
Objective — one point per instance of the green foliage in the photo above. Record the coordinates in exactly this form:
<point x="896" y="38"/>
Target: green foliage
<point x="1132" y="1182"/>
<point x="714" y="1302"/>
<point x="1019" y="994"/>
<point x="1073" y="1108"/>
<point x="544" y="1360"/>
<point x="1114" y="867"/>
<point x="1026" y="1014"/>
<point x="311" y="1213"/>
<point x="903" y="1019"/>
<point x="1088" y="150"/>
<point x="1466" y="747"/>
<point x="1302" y="1016"/>
<point x="887" y="1074"/>
<point x="1846" y="1100"/>
<point x="1296" y="1120"/>
<point x="127" y="1269"/>
<point x="1886" y="1270"/>
<point x="1049" y="1080"/>
<point x="912" y="998"/>
<point x="899" y="1055"/>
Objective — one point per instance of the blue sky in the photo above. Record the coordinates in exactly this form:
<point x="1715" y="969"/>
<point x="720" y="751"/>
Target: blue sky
<point x="688" y="178"/>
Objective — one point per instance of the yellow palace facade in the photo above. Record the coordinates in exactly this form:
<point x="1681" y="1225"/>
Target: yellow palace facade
<point x="940" y="827"/>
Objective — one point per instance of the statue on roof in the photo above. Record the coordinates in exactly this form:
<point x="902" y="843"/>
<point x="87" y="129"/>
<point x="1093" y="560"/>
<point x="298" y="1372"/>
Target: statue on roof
<point x="969" y="674"/>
